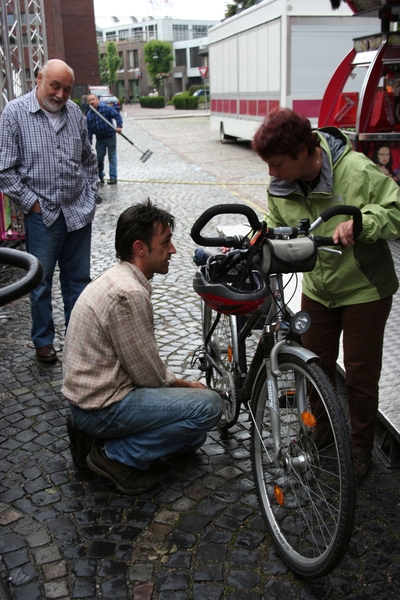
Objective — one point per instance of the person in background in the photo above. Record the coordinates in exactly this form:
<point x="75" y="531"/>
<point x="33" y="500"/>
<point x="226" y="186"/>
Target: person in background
<point x="84" y="104"/>
<point x="311" y="171"/>
<point x="106" y="139"/>
<point x="118" y="387"/>
<point x="49" y="169"/>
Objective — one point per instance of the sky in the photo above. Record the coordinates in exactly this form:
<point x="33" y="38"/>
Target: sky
<point x="212" y="10"/>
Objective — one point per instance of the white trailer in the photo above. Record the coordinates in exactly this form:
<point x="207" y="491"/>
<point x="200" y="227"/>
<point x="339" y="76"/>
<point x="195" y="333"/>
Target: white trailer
<point x="277" y="53"/>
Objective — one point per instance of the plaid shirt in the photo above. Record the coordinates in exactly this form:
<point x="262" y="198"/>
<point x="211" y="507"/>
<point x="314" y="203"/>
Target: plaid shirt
<point x="110" y="346"/>
<point x="96" y="125"/>
<point x="56" y="166"/>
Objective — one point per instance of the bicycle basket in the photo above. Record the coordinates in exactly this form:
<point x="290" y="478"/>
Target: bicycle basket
<point x="234" y="290"/>
<point x="289" y="256"/>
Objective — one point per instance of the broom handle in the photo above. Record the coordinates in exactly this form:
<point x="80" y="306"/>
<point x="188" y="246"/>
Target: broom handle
<point x="111" y="125"/>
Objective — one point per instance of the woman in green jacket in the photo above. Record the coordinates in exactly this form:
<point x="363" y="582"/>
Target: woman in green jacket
<point x="350" y="294"/>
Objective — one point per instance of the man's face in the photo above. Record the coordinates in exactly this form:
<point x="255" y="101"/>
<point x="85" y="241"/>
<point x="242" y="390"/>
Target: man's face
<point x="93" y="100"/>
<point x="286" y="168"/>
<point x="54" y="87"/>
<point x="158" y="253"/>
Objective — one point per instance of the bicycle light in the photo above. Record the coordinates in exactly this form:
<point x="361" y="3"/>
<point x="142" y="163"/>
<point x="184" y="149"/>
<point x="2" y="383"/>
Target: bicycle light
<point x="300" y="323"/>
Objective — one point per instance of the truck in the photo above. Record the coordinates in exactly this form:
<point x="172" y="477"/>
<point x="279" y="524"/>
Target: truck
<point x="278" y="53"/>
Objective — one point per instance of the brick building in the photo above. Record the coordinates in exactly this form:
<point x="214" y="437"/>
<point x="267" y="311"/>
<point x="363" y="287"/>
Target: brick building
<point x="71" y="36"/>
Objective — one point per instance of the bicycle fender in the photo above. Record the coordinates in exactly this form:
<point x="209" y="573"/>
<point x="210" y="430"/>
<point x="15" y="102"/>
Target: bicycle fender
<point x="297" y="351"/>
<point x="300" y="352"/>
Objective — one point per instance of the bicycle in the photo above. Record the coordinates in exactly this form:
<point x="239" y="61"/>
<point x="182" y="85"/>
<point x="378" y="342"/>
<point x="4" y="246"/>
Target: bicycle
<point x="300" y="444"/>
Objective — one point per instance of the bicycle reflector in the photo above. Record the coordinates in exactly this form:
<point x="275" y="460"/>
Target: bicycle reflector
<point x="300" y="323"/>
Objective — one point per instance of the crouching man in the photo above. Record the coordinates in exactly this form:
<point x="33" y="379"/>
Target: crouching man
<point x="120" y="391"/>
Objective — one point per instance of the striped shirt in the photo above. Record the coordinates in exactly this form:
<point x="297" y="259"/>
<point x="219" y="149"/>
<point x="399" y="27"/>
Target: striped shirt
<point x="54" y="165"/>
<point x="110" y="345"/>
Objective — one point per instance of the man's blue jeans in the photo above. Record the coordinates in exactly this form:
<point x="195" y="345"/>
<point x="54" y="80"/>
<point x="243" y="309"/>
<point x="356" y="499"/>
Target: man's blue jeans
<point x="150" y="423"/>
<point x="102" y="145"/>
<point x="72" y="251"/>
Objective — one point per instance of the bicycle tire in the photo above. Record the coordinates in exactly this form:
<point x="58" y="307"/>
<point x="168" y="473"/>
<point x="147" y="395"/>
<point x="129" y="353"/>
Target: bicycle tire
<point x="220" y="348"/>
<point x="307" y="496"/>
<point x="5" y="593"/>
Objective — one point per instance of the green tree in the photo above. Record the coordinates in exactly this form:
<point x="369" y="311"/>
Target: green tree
<point x="159" y="58"/>
<point x="110" y="64"/>
<point x="237" y="6"/>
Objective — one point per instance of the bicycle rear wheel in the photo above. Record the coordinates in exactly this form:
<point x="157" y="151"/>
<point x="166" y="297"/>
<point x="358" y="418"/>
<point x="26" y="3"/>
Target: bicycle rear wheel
<point x="307" y="491"/>
<point x="221" y="368"/>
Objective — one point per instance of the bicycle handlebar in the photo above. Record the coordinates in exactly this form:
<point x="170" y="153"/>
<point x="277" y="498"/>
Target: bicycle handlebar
<point x="223" y="209"/>
<point x="33" y="276"/>
<point x="247" y="211"/>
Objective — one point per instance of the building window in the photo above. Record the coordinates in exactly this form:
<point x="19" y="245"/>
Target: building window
<point x="152" y="32"/>
<point x="180" y="58"/>
<point x="195" y="58"/>
<point x="111" y="35"/>
<point x="135" y="59"/>
<point x="130" y="59"/>
<point x="137" y="34"/>
<point x="123" y="34"/>
<point x="180" y="32"/>
<point x="121" y="55"/>
<point x="199" y="31"/>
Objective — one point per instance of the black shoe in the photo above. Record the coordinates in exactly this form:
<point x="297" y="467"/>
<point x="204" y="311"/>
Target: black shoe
<point x="112" y="181"/>
<point x="80" y="443"/>
<point x="126" y="479"/>
<point x="101" y="179"/>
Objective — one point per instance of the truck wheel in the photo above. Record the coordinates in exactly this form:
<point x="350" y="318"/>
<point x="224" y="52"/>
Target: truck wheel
<point x="222" y="135"/>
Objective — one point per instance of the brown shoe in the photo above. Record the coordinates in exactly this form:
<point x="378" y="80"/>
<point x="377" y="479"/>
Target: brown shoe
<point x="46" y="354"/>
<point x="126" y="479"/>
<point x="362" y="463"/>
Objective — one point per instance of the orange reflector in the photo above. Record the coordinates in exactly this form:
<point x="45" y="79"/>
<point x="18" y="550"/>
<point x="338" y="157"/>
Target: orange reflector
<point x="230" y="353"/>
<point x="255" y="237"/>
<point x="308" y="419"/>
<point x="279" y="495"/>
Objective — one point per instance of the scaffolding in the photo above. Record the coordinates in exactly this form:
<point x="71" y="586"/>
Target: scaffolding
<point x="23" y="46"/>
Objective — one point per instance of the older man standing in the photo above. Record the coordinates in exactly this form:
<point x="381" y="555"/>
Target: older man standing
<point x="106" y="140"/>
<point x="48" y="167"/>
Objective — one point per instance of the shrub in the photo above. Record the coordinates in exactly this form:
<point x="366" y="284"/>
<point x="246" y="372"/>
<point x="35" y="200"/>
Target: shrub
<point x="152" y="101"/>
<point x="185" y="102"/>
<point x="76" y="101"/>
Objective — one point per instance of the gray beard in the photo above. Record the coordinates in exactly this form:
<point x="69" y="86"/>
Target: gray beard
<point x="51" y="108"/>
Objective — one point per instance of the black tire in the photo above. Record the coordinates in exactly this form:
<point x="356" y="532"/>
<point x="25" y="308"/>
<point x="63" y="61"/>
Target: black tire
<point x="221" y="350"/>
<point x="5" y="593"/>
<point x="307" y="493"/>
<point x="222" y="135"/>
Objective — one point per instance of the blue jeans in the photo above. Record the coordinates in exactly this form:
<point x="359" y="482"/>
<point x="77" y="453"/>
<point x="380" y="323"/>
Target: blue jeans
<point x="102" y="146"/>
<point x="150" y="423"/>
<point x="72" y="251"/>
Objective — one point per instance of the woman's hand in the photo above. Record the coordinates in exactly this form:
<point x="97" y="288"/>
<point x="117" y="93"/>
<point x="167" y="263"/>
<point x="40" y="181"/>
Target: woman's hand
<point x="343" y="234"/>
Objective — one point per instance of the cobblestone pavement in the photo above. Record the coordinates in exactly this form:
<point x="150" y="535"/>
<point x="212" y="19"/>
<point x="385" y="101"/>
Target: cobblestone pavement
<point x="66" y="533"/>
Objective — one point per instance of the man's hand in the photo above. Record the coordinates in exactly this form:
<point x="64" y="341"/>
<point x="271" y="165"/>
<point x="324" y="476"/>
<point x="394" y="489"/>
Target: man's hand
<point x="344" y="234"/>
<point x="36" y="207"/>
<point x="118" y="129"/>
<point x="191" y="384"/>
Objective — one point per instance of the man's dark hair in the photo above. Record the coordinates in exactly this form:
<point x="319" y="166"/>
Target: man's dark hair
<point x="284" y="132"/>
<point x="137" y="223"/>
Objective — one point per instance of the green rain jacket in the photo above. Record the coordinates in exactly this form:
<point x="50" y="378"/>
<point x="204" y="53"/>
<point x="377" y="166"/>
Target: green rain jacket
<point x="365" y="272"/>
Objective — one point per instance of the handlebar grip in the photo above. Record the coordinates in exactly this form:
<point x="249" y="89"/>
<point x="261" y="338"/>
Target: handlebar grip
<point x="33" y="276"/>
<point x="223" y="209"/>
<point x="355" y="212"/>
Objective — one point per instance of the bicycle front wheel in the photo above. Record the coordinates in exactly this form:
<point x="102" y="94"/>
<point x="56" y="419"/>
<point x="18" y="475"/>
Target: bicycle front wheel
<point x="221" y="368"/>
<point x="306" y="489"/>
